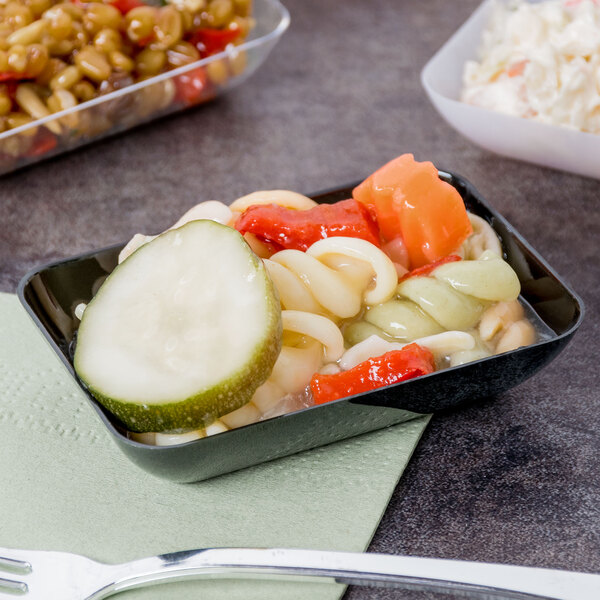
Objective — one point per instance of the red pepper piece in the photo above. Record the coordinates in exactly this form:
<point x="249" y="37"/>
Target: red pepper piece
<point x="427" y="269"/>
<point x="143" y="42"/>
<point x="212" y="41"/>
<point x="392" y="367"/>
<point x="10" y="87"/>
<point x="12" y="76"/>
<point x="44" y="142"/>
<point x="300" y="229"/>
<point x="124" y="6"/>
<point x="192" y="87"/>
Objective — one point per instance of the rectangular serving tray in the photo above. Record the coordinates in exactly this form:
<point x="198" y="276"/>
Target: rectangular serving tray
<point x="51" y="292"/>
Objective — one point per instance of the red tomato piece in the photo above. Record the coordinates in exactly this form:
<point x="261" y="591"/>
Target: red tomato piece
<point x="7" y="76"/>
<point x="44" y="142"/>
<point x="392" y="367"/>
<point x="212" y="41"/>
<point x="300" y="229"/>
<point x="124" y="6"/>
<point x="427" y="269"/>
<point x="143" y="42"/>
<point x="192" y="87"/>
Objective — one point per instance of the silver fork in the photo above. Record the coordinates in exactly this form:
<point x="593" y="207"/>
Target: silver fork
<point x="40" y="575"/>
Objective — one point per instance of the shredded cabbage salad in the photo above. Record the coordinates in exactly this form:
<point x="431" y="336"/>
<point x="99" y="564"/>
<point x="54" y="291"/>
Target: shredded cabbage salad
<point x="540" y="61"/>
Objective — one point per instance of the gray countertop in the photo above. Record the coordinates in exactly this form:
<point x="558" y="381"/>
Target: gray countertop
<point x="514" y="479"/>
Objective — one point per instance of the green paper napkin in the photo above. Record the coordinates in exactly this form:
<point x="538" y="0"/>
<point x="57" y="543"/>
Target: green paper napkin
<point x="66" y="486"/>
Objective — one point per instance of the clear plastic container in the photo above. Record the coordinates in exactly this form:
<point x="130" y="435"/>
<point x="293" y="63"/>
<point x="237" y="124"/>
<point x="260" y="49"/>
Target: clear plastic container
<point x="139" y="103"/>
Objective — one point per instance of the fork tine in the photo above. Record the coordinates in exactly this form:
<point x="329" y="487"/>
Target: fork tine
<point x="14" y="565"/>
<point x="12" y="587"/>
<point x="14" y="561"/>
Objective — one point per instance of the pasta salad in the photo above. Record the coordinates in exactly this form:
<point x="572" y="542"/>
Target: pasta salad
<point x="56" y="56"/>
<point x="274" y="303"/>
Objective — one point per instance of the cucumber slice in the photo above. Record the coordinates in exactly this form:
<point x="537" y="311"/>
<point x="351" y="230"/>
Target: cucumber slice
<point x="182" y="332"/>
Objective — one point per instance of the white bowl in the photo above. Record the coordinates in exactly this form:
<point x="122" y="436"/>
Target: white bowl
<point x="548" y="145"/>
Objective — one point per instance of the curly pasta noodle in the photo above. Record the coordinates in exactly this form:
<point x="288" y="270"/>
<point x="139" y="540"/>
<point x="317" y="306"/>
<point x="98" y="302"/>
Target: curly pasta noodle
<point x="488" y="278"/>
<point x="453" y="297"/>
<point x="356" y="249"/>
<point x="480" y="350"/>
<point x="317" y="327"/>
<point x="333" y="277"/>
<point x="211" y="209"/>
<point x="283" y="198"/>
<point x="441" y="345"/>
<point x="482" y="239"/>
<point x="504" y="325"/>
<point x="321" y="342"/>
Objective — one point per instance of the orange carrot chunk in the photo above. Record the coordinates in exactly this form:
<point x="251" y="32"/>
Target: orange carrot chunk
<point x="411" y="201"/>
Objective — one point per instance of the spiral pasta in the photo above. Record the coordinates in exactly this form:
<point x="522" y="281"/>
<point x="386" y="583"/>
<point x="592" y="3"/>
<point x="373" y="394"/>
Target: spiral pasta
<point x="480" y="350"/>
<point x="318" y="328"/>
<point x="487" y="278"/>
<point x="320" y="341"/>
<point x="333" y="277"/>
<point x="211" y="209"/>
<point x="441" y="345"/>
<point x="505" y="325"/>
<point x="482" y="239"/>
<point x="284" y="198"/>
<point x="453" y="297"/>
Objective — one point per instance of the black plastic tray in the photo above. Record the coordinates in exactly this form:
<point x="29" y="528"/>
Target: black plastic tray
<point x="51" y="292"/>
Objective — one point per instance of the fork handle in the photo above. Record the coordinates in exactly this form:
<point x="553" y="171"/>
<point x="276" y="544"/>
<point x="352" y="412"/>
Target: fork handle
<point x="470" y="579"/>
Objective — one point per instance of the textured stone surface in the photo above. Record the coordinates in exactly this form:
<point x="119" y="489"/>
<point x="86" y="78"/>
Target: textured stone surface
<point x="512" y="480"/>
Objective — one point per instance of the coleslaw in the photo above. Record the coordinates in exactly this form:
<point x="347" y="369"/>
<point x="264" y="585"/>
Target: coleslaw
<point x="540" y="61"/>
